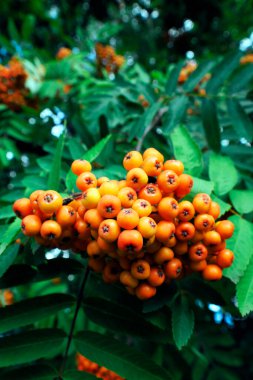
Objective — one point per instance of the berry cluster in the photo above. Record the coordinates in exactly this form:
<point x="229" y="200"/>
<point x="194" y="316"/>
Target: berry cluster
<point x="13" y="92"/>
<point x="248" y="58"/>
<point x="138" y="230"/>
<point x="108" y="59"/>
<point x="63" y="52"/>
<point x="6" y="297"/>
<point x="86" y="365"/>
<point x="186" y="71"/>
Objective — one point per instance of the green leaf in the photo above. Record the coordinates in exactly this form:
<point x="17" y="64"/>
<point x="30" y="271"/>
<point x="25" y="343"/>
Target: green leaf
<point x="119" y="318"/>
<point x="182" y="321"/>
<point x="241" y="122"/>
<point x="242" y="200"/>
<point x="124" y="360"/>
<point x="201" y="186"/>
<point x="224" y="207"/>
<point x="241" y="80"/>
<point x="202" y="69"/>
<point x="76" y="148"/>
<point x="6" y="212"/>
<point x="90" y="156"/>
<point x="177" y="109"/>
<point x="55" y="172"/>
<point x="241" y="243"/>
<point x="172" y="81"/>
<point x="222" y="71"/>
<point x="35" y="372"/>
<point x="29" y="346"/>
<point x="222" y="173"/>
<point x="244" y="290"/>
<point x="78" y="375"/>
<point x="211" y="124"/>
<point x="186" y="150"/>
<point x="10" y="234"/>
<point x="31" y="310"/>
<point x="7" y="257"/>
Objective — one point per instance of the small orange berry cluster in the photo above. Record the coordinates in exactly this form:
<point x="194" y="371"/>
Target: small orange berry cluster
<point x="108" y="59"/>
<point x="138" y="230"/>
<point x="13" y="92"/>
<point x="248" y="58"/>
<point x="63" y="52"/>
<point x="186" y="71"/>
<point x="86" y="365"/>
<point x="6" y="297"/>
<point x="143" y="101"/>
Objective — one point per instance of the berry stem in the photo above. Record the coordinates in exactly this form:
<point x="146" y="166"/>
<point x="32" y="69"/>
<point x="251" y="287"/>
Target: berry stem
<point x="78" y="304"/>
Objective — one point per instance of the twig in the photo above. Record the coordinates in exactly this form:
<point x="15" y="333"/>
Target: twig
<point x="70" y="336"/>
<point x="152" y="125"/>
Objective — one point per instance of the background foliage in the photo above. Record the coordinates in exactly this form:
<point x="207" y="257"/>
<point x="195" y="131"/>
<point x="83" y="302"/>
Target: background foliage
<point x="75" y="109"/>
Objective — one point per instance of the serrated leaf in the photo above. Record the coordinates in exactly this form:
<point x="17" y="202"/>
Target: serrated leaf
<point x="240" y="120"/>
<point x="172" y="81"/>
<point x="7" y="258"/>
<point x="202" y="69"/>
<point x="9" y="235"/>
<point x="244" y="289"/>
<point x="29" y="346"/>
<point x="211" y="124"/>
<point x="241" y="243"/>
<point x="90" y="156"/>
<point x="224" y="207"/>
<point x="182" y="321"/>
<point x="202" y="186"/>
<point x="124" y="360"/>
<point x="31" y="310"/>
<point x="176" y="113"/>
<point x="35" y="372"/>
<point x="55" y="172"/>
<point x="119" y="318"/>
<point x="222" y="173"/>
<point x="222" y="71"/>
<point x="242" y="200"/>
<point x="186" y="150"/>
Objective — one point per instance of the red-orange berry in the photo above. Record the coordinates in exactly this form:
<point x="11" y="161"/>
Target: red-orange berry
<point x="173" y="268"/>
<point x="86" y="180"/>
<point x="49" y="201"/>
<point x="175" y="165"/>
<point x="152" y="166"/>
<point x="130" y="241"/>
<point x="109" y="206"/>
<point x="186" y="211"/>
<point x="168" y="208"/>
<point x="168" y="181"/>
<point x="145" y="291"/>
<point x="201" y="202"/>
<point x="22" y="207"/>
<point x="50" y="230"/>
<point x="151" y="193"/>
<point x="147" y="227"/>
<point x="225" y="228"/>
<point x="142" y="207"/>
<point x="66" y="216"/>
<point x="198" y="252"/>
<point x="140" y="269"/>
<point x="80" y="166"/>
<point x="136" y="178"/>
<point x="31" y="225"/>
<point x="225" y="258"/>
<point x="132" y="160"/>
<point x="185" y="231"/>
<point x="212" y="272"/>
<point x="109" y="230"/>
<point x="128" y="218"/>
<point x="156" y="277"/>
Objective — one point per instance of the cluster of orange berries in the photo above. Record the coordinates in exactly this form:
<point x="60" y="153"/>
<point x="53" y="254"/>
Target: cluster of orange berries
<point x="86" y="365"/>
<point x="6" y="297"/>
<point x="143" y="101"/>
<point x="187" y="70"/>
<point x="13" y="92"/>
<point x="138" y="230"/>
<point x="63" y="52"/>
<point x="248" y="58"/>
<point x="108" y="59"/>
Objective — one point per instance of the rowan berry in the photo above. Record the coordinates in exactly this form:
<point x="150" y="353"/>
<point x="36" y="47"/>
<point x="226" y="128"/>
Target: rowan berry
<point x="214" y="209"/>
<point x="186" y="211"/>
<point x="81" y="229"/>
<point x="185" y="231"/>
<point x="153" y="152"/>
<point x="163" y="255"/>
<point x="86" y="180"/>
<point x="80" y="166"/>
<point x="109" y="206"/>
<point x="152" y="166"/>
<point x="109" y="187"/>
<point x="109" y="230"/>
<point x="130" y="241"/>
<point x="225" y="228"/>
<point x="168" y="181"/>
<point x="50" y="230"/>
<point x="105" y="245"/>
<point x="101" y="180"/>
<point x="173" y="268"/>
<point x="225" y="258"/>
<point x="168" y="208"/>
<point x="185" y="183"/>
<point x="96" y="263"/>
<point x="211" y="238"/>
<point x="66" y="216"/>
<point x="111" y="272"/>
<point x="198" y="266"/>
<point x="181" y="248"/>
<point x="127" y="196"/>
<point x="165" y="231"/>
<point x="49" y="201"/>
<point x="198" y="252"/>
<point x="132" y="160"/>
<point x="204" y="222"/>
<point x="174" y="165"/>
<point x="142" y="207"/>
<point x="147" y="227"/>
<point x="145" y="291"/>
<point x="93" y="218"/>
<point x="127" y="279"/>
<point x="212" y="272"/>
<point x="93" y="248"/>
<point x="90" y="198"/>
<point x="201" y="202"/>
<point x="31" y="225"/>
<point x="34" y="198"/>
<point x="22" y="207"/>
<point x="136" y="178"/>
<point x="151" y="193"/>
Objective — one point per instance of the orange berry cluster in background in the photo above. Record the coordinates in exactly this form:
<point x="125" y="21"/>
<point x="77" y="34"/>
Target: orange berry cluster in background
<point x="143" y="101"/>
<point x="138" y="231"/>
<point x="63" y="52"/>
<point x="6" y="297"/>
<point x="187" y="70"/>
<point x="86" y="365"/>
<point x="13" y="92"/>
<point x="108" y="59"/>
<point x="248" y="58"/>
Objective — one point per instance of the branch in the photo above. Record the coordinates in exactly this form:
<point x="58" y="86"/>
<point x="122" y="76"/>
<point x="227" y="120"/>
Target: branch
<point x="151" y="126"/>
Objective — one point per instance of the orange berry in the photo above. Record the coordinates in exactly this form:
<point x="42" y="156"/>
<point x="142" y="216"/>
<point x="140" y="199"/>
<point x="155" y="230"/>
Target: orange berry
<point x="185" y="231"/>
<point x="211" y="238"/>
<point x="168" y="181"/>
<point x="86" y="180"/>
<point x="145" y="291"/>
<point x="66" y="216"/>
<point x="96" y="263"/>
<point x="198" y="252"/>
<point x="50" y="230"/>
<point x="168" y="208"/>
<point x="90" y="198"/>
<point x="204" y="222"/>
<point x="152" y="166"/>
<point x="181" y="248"/>
<point x="49" y="201"/>
<point x="136" y="178"/>
<point x="153" y="152"/>
<point x="163" y="255"/>
<point x="175" y="165"/>
<point x="198" y="266"/>
<point x="142" y="207"/>
<point x="109" y="206"/>
<point x="127" y="196"/>
<point x="225" y="228"/>
<point x="101" y="180"/>
<point x="104" y="245"/>
<point x="93" y="218"/>
<point x="127" y="218"/>
<point x="225" y="258"/>
<point x="22" y="207"/>
<point x="34" y="198"/>
<point x="109" y="230"/>
<point x="185" y="183"/>
<point x="151" y="193"/>
<point x="212" y="272"/>
<point x="93" y="248"/>
<point x="82" y="229"/>
<point x="186" y="211"/>
<point x="111" y="272"/>
<point x="130" y="241"/>
<point x="109" y="187"/>
<point x="140" y="269"/>
<point x="201" y="202"/>
<point x="31" y="225"/>
<point x="214" y="209"/>
<point x="127" y="279"/>
<point x="173" y="268"/>
<point x="156" y="277"/>
<point x="147" y="227"/>
<point x="165" y="231"/>
<point x="80" y="166"/>
<point x="132" y="160"/>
